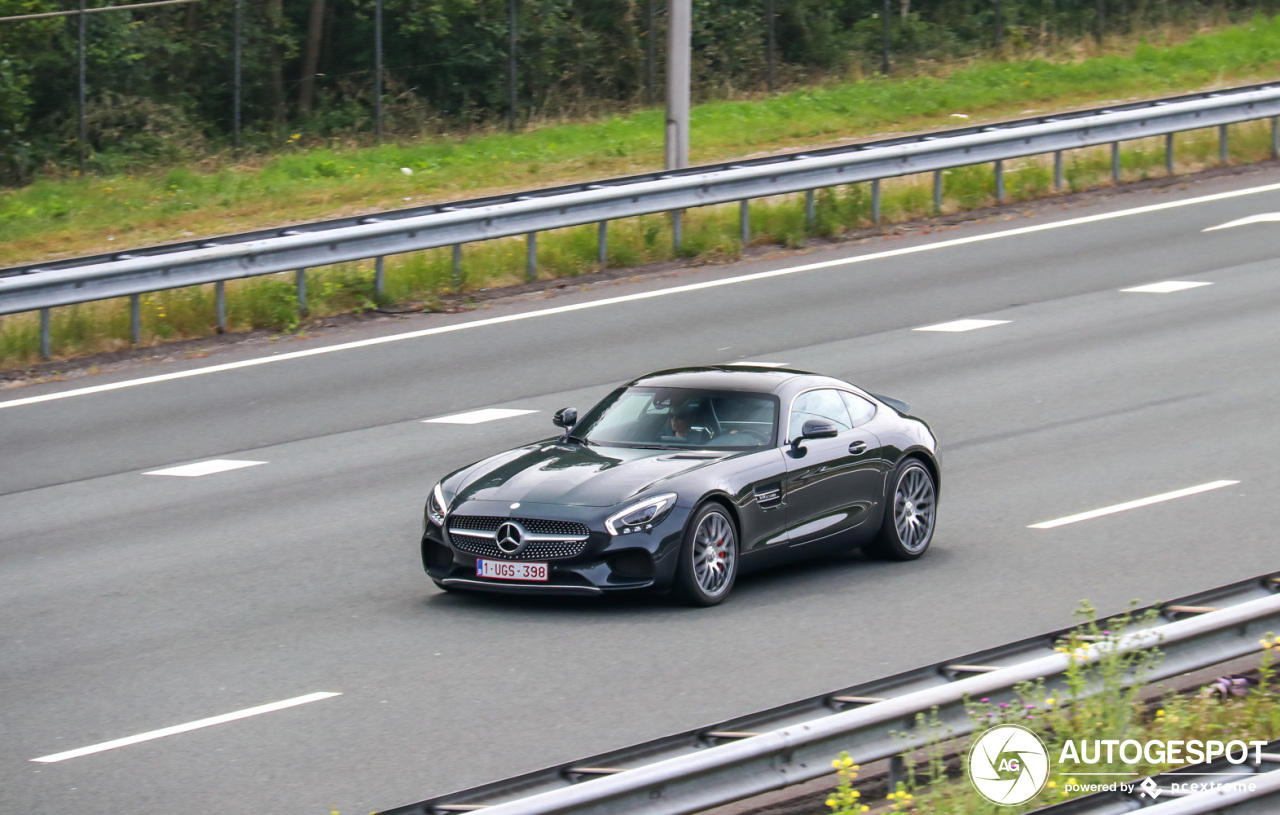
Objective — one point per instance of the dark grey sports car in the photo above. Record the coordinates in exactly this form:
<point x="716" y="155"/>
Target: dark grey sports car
<point x="684" y="478"/>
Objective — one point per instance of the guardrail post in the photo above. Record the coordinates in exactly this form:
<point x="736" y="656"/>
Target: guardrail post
<point x="897" y="772"/>
<point x="937" y="192"/>
<point x="999" y="181"/>
<point x="744" y="222"/>
<point x="455" y="270"/>
<point x="1115" y="162"/>
<point x="220" y="304"/>
<point x="135" y="318"/>
<point x="46" y="349"/>
<point x="531" y="257"/>
<point x="1275" y="137"/>
<point x="810" y="210"/>
<point x="300" y="278"/>
<point x="1223" y="157"/>
<point x="676" y="236"/>
<point x="1168" y="153"/>
<point x="379" y="275"/>
<point x="875" y="201"/>
<point x="602" y="244"/>
<point x="1057" y="170"/>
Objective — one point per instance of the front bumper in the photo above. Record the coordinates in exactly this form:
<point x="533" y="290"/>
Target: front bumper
<point x="605" y="563"/>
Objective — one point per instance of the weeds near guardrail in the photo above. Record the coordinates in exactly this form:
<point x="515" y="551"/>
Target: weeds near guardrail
<point x="1102" y="699"/>
<point x="710" y="234"/>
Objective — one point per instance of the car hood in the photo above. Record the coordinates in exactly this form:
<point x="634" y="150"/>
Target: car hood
<point x="575" y="474"/>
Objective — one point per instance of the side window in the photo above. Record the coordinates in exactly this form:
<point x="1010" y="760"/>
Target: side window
<point x="860" y="410"/>
<point x="820" y="404"/>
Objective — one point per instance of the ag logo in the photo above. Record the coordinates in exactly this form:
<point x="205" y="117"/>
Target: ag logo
<point x="1008" y="765"/>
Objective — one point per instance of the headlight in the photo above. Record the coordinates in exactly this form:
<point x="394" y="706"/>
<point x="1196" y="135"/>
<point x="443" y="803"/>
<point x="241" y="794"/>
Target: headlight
<point x="436" y="506"/>
<point x="642" y="516"/>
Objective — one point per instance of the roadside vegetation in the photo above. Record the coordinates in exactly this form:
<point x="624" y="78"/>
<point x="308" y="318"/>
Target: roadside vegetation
<point x="66" y="216"/>
<point x="1229" y="709"/>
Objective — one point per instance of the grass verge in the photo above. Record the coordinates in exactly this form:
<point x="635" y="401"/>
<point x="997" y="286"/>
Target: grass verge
<point x="1115" y="710"/>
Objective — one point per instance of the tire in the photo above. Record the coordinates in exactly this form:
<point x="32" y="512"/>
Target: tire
<point x="709" y="557"/>
<point x="910" y="513"/>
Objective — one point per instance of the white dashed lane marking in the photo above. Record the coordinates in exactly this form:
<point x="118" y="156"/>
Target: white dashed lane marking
<point x="1167" y="287"/>
<point x="1263" y="218"/>
<point x="744" y="363"/>
<point x="1141" y="502"/>
<point x="183" y="728"/>
<point x="961" y="325"/>
<point x="217" y="465"/>
<point x="478" y="416"/>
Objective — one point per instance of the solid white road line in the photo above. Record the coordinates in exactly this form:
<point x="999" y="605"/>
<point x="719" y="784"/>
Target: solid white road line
<point x="183" y="728"/>
<point x="956" y="326"/>
<point x="743" y="363"/>
<point x="627" y="298"/>
<point x="1167" y="286"/>
<point x="1141" y="502"/>
<point x="204" y="468"/>
<point x="217" y="465"/>
<point x="1265" y="217"/>
<point x="478" y="416"/>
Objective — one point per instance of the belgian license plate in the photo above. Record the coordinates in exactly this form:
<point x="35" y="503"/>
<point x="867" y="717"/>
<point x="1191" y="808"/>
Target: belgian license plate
<point x="506" y="570"/>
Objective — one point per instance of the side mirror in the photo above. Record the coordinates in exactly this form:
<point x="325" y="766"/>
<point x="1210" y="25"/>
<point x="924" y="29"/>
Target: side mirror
<point x="813" y="429"/>
<point x="565" y="417"/>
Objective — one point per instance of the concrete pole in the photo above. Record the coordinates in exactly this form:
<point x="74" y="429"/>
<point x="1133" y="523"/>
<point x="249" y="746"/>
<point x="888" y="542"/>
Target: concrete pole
<point x="679" y="32"/>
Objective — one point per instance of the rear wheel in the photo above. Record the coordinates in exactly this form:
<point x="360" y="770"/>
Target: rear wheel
<point x="709" y="557"/>
<point x="911" y="509"/>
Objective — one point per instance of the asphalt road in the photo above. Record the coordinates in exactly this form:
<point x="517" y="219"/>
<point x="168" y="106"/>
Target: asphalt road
<point x="135" y="602"/>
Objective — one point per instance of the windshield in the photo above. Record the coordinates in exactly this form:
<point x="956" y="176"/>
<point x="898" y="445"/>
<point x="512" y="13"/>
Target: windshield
<point x="682" y="417"/>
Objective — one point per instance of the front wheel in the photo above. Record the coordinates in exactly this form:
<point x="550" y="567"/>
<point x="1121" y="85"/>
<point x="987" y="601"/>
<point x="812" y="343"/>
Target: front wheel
<point x="708" y="558"/>
<point x="910" y="513"/>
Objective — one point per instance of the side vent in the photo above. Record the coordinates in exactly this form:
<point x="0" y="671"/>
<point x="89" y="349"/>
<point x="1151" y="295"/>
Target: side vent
<point x="769" y="495"/>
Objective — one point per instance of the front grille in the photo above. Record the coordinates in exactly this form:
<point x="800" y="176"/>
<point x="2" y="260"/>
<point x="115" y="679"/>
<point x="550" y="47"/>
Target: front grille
<point x="484" y="523"/>
<point x="536" y="550"/>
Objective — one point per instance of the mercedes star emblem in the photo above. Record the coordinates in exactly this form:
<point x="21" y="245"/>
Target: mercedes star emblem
<point x="510" y="538"/>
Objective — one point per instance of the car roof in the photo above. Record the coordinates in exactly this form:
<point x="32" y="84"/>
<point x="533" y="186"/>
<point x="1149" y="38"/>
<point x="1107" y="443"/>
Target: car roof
<point x="756" y="379"/>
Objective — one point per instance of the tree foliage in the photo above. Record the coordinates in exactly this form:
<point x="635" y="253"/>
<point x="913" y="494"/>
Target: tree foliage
<point x="160" y="79"/>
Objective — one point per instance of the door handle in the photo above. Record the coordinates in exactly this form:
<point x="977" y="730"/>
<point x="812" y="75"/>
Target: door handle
<point x="858" y="448"/>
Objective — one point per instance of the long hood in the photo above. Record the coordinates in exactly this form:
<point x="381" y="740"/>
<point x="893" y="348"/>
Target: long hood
<point x="573" y="474"/>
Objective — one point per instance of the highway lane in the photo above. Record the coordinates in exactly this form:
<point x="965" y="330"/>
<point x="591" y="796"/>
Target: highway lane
<point x="136" y="602"/>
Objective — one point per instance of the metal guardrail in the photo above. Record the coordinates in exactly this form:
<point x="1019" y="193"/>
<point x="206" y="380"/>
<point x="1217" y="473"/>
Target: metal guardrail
<point x="296" y="249"/>
<point x="754" y="754"/>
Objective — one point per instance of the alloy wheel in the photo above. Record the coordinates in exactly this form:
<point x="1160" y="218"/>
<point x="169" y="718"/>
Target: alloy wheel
<point x="715" y="553"/>
<point x="914" y="509"/>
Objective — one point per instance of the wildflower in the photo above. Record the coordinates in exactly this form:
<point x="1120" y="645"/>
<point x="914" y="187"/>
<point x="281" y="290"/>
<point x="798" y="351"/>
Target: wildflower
<point x="1159" y="713"/>
<point x="848" y="762"/>
<point x="407" y="170"/>
<point x="831" y="803"/>
<point x="984" y="699"/>
<point x="1052" y="785"/>
<point x="1050" y="701"/>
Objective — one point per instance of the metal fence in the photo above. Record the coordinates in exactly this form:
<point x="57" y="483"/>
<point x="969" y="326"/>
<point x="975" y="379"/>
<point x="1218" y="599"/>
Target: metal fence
<point x="374" y="49"/>
<point x="773" y="749"/>
<point x="299" y="248"/>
